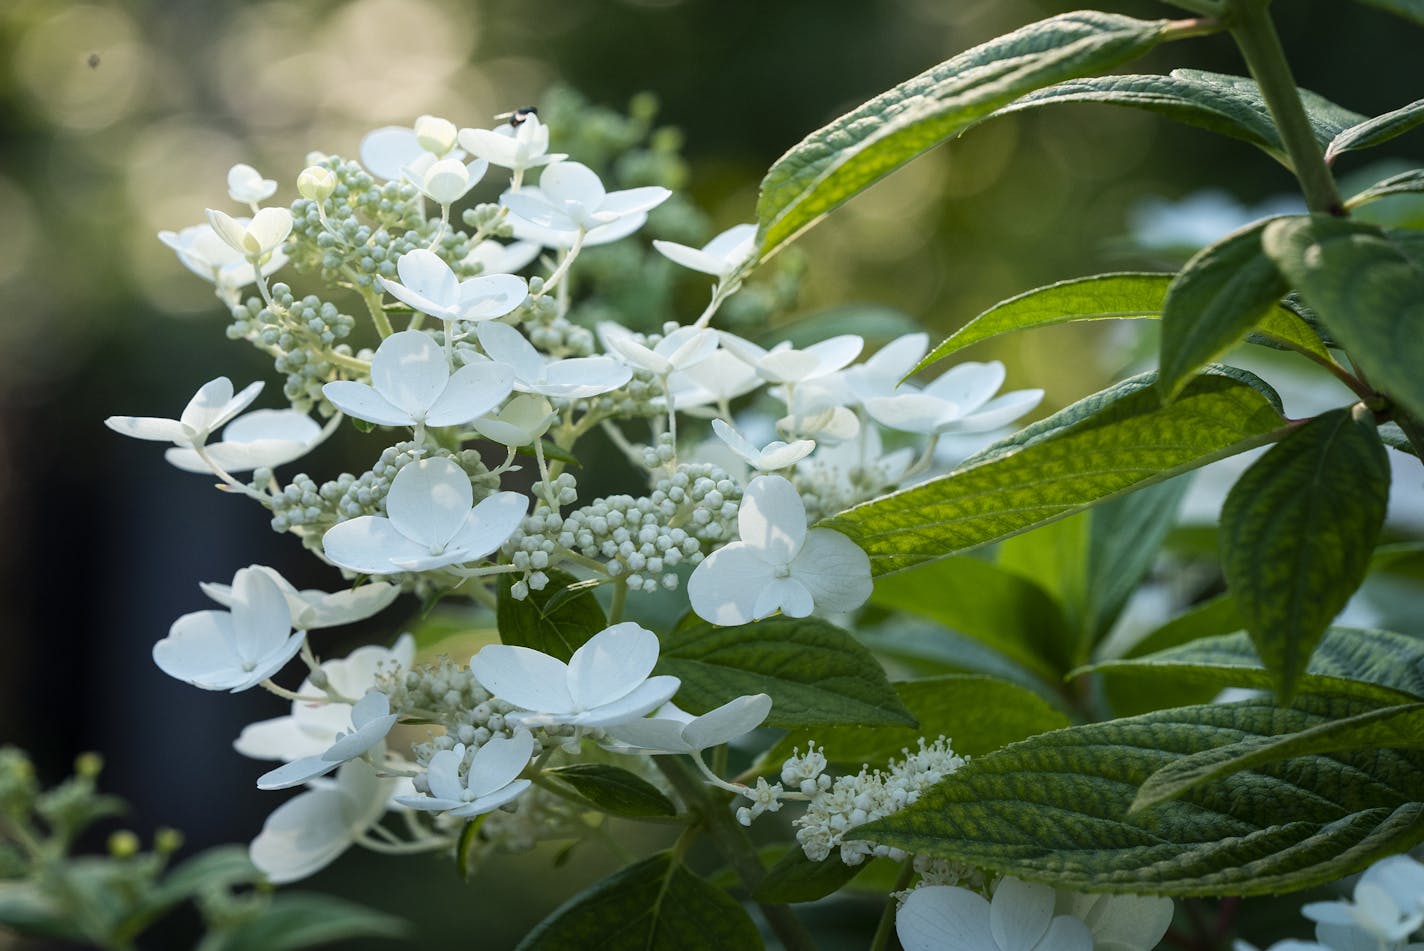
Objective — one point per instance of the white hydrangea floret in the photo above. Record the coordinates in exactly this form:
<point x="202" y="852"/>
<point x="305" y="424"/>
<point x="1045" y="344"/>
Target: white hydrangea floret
<point x="213" y="405"/>
<point x="682" y="349"/>
<point x="308" y="832"/>
<point x="1387" y="906"/>
<point x="207" y="255"/>
<point x="247" y="186"/>
<point x="263" y="438"/>
<point x="387" y="152"/>
<point x="778" y="565"/>
<point x="429" y="285"/>
<point x="256" y="237"/>
<point x="525" y="418"/>
<point x="572" y="379"/>
<point x="515" y="147"/>
<point x="312" y="609"/>
<point x="784" y="364"/>
<point x="720" y="257"/>
<point x="607" y="681"/>
<point x="371" y="719"/>
<point x="774" y="455"/>
<point x="444" y="181"/>
<point x="1119" y="922"/>
<point x="1020" y="918"/>
<point x="881" y="373"/>
<point x="430" y="522"/>
<point x="491" y="780"/>
<point x="673" y="730"/>
<point x="961" y="400"/>
<point x="572" y="198"/>
<point x="411" y="385"/>
<point x="233" y="649"/>
<point x="494" y="258"/>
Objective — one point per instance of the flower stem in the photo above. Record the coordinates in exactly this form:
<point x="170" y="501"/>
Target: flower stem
<point x="1255" y="35"/>
<point x="620" y="596"/>
<point x="881" y="941"/>
<point x="377" y="312"/>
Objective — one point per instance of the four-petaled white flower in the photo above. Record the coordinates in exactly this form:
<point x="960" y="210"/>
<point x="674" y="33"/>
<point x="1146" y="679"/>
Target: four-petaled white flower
<point x="720" y="257"/>
<point x="207" y="255"/>
<point x="571" y="198"/>
<point x="312" y="728"/>
<point x="444" y="181"/>
<point x="262" y="438"/>
<point x="491" y="780"/>
<point x="234" y="649"/>
<point x="1387" y="907"/>
<point x="212" y="406"/>
<point x="961" y="400"/>
<point x="881" y="374"/>
<point x="429" y="285"/>
<point x="778" y="564"/>
<point x="547" y="237"/>
<point x="523" y="419"/>
<point x="513" y="147"/>
<point x="606" y="682"/>
<point x="256" y="237"/>
<point x="312" y="609"/>
<point x="783" y="364"/>
<point x="682" y="349"/>
<point x="673" y="730"/>
<point x="308" y="832"/>
<point x="774" y="455"/>
<point x="247" y="186"/>
<point x="573" y="379"/>
<point x="387" y="152"/>
<point x="371" y="719"/>
<point x="411" y="385"/>
<point x="429" y="523"/>
<point x="1020" y="918"/>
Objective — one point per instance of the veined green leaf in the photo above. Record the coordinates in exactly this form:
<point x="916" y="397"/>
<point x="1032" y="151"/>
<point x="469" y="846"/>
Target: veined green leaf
<point x="1372" y="132"/>
<point x="615" y="791"/>
<point x="1366" y="289"/>
<point x="1297" y="530"/>
<point x="843" y="158"/>
<point x="1381" y="667"/>
<point x="995" y="607"/>
<point x="795" y="878"/>
<point x="1106" y="445"/>
<point x="815" y="673"/>
<point x="977" y="713"/>
<point x="1221" y="293"/>
<point x="556" y="620"/>
<point x="1405" y="183"/>
<point x="1104" y="297"/>
<point x="1209" y="619"/>
<point x="1395" y="727"/>
<point x="655" y="905"/>
<point x="1054" y="808"/>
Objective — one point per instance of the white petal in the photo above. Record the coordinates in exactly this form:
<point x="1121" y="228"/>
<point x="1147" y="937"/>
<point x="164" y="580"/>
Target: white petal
<point x="499" y="762"/>
<point x="429" y="501"/>
<point x="361" y="401"/>
<point x="944" y="918"/>
<point x="148" y="427"/>
<point x="611" y="664"/>
<point x="999" y="411"/>
<point x="736" y="441"/>
<point x="523" y="677"/>
<point x="386" y="151"/>
<point x="489" y="524"/>
<point x="269" y="228"/>
<point x="214" y="404"/>
<point x="729" y="721"/>
<point x="969" y="385"/>
<point x="302" y="836"/>
<point x="1020" y="914"/>
<point x="834" y="569"/>
<point x="688" y="346"/>
<point x="772" y="519"/>
<point x="647" y="696"/>
<point x="472" y="391"/>
<point x="491" y="146"/>
<point x="296" y="772"/>
<point x="1137" y="921"/>
<point x="506" y="345"/>
<point x="724" y="586"/>
<point x="198" y="649"/>
<point x="651" y="734"/>
<point x="911" y="412"/>
<point x="788" y="366"/>
<point x="780" y="455"/>
<point x="245" y="184"/>
<point x="689" y="257"/>
<point x="345" y="607"/>
<point x="493" y="295"/>
<point x="287" y="425"/>
<point x="231" y="230"/>
<point x="1066" y="934"/>
<point x="582" y="377"/>
<point x="278" y="738"/>
<point x="443" y="774"/>
<point x="447" y="180"/>
<point x="492" y="800"/>
<point x="532" y="207"/>
<point x="629" y="201"/>
<point x="410" y="371"/>
<point x="787" y="595"/>
<point x="369" y="544"/>
<point x="835" y="353"/>
<point x="261" y="619"/>
<point x="572" y="182"/>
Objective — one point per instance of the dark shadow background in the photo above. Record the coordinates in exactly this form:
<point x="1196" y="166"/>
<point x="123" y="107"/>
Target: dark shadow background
<point x="121" y="118"/>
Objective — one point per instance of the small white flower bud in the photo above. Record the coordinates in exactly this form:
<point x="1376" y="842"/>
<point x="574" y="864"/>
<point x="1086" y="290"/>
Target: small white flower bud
<point x="316" y="183"/>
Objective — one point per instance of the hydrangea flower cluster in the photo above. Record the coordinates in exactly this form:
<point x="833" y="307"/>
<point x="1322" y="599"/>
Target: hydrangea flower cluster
<point x="483" y="359"/>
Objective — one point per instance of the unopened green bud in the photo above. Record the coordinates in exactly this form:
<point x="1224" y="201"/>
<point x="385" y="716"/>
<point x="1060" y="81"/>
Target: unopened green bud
<point x="316" y="183"/>
<point x="124" y="844"/>
<point x="166" y="840"/>
<point x="88" y="765"/>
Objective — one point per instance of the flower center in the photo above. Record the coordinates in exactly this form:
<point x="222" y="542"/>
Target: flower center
<point x="781" y="571"/>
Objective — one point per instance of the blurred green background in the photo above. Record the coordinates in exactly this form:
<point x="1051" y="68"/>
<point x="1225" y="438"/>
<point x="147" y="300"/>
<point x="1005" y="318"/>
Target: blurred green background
<point x="121" y="118"/>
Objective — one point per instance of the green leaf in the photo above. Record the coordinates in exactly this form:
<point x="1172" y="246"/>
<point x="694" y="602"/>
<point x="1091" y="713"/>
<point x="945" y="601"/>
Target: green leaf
<point x="841" y="159"/>
<point x="1397" y="727"/>
<point x="1208" y="619"/>
<point x="1105" y="297"/>
<point x="1366" y="290"/>
<point x="981" y="600"/>
<point x="655" y="905"/>
<point x="557" y="620"/>
<point x="1372" y="132"/>
<point x="1221" y="293"/>
<point x="1377" y="666"/>
<point x="873" y="323"/>
<point x="1108" y="444"/>
<point x="1405" y="183"/>
<point x="815" y="673"/>
<point x="1409" y="9"/>
<point x="795" y="878"/>
<point x="1124" y="539"/>
<point x="221" y="867"/>
<point x="551" y="451"/>
<point x="1054" y="808"/>
<point x="305" y="920"/>
<point x="615" y="791"/>
<point x="1297" y="530"/>
<point x="1228" y="105"/>
<point x="977" y="713"/>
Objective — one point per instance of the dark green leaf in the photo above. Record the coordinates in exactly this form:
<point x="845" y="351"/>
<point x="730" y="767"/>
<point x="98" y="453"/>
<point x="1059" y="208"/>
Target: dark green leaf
<point x="1405" y="183"/>
<point x="1054" y="808"/>
<point x="841" y="159"/>
<point x="983" y="601"/>
<point x="655" y="905"/>
<point x="1125" y="537"/>
<point x="551" y="451"/>
<point x="1395" y="727"/>
<point x="795" y="878"/>
<point x="1104" y="297"/>
<point x="1209" y="619"/>
<point x="36" y="912"/>
<point x="977" y="713"/>
<point x="1221" y="293"/>
<point x="1297" y="530"/>
<point x="304" y="920"/>
<point x="1367" y="291"/>
<point x="1108" y="444"/>
<point x="1409" y="9"/>
<point x="220" y="867"/>
<point x="557" y="620"/>
<point x="1378" y="666"/>
<point x="615" y="791"/>
<point x="1372" y="132"/>
<point x="815" y="673"/>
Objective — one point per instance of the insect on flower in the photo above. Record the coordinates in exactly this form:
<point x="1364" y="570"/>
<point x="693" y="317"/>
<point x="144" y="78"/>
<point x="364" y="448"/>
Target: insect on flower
<point x="517" y="117"/>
